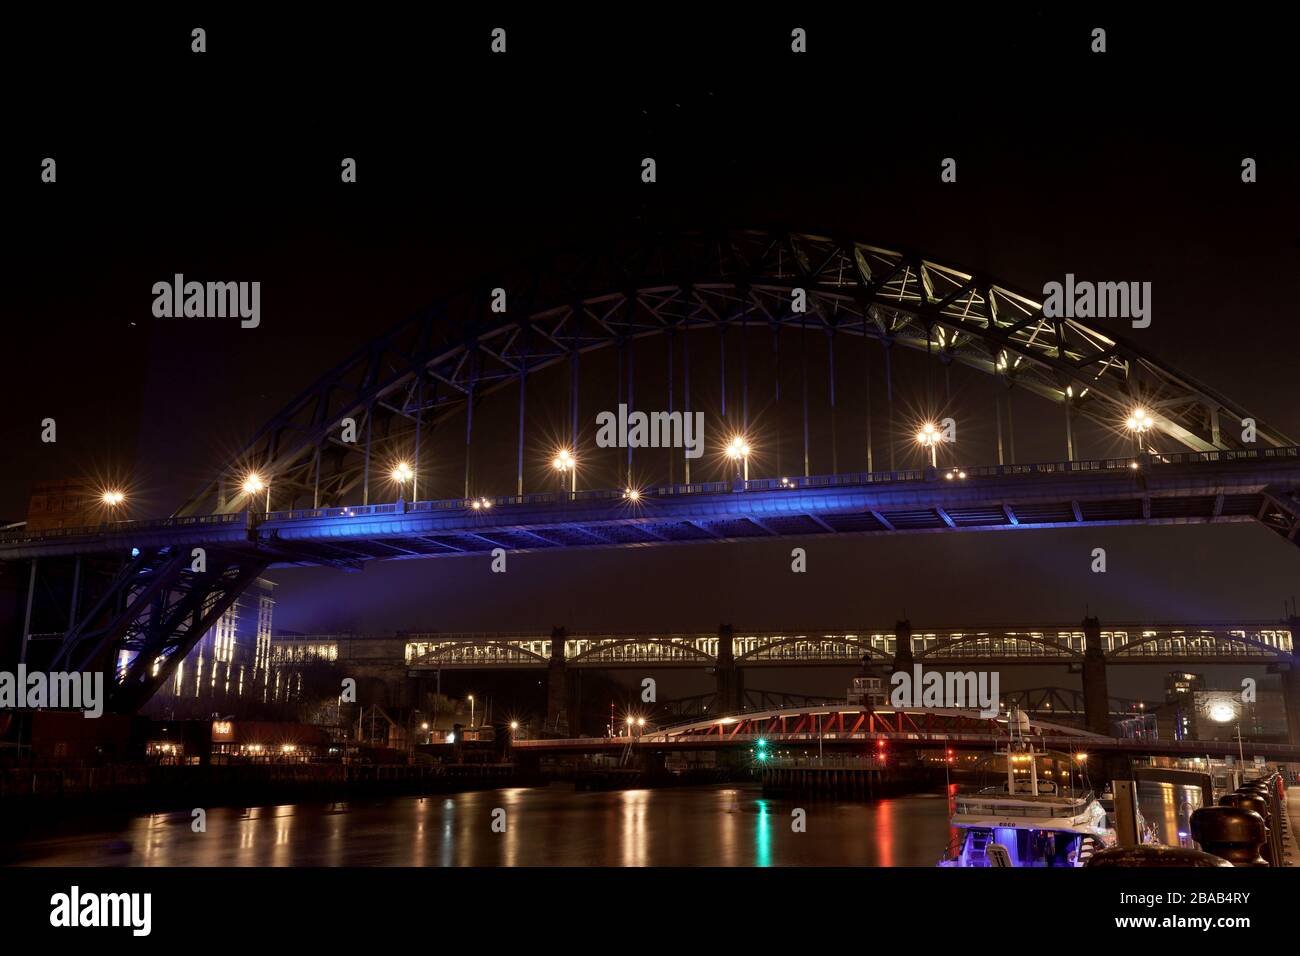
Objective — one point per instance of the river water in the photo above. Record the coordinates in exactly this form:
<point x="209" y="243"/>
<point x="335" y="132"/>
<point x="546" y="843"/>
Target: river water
<point x="726" y="825"/>
<point x="729" y="825"/>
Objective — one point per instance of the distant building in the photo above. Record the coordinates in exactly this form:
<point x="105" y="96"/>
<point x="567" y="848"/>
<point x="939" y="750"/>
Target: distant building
<point x="1174" y="719"/>
<point x="66" y="503"/>
<point x="1203" y="714"/>
<point x="229" y="669"/>
<point x="238" y="741"/>
<point x="1180" y="685"/>
<point x="1216" y="715"/>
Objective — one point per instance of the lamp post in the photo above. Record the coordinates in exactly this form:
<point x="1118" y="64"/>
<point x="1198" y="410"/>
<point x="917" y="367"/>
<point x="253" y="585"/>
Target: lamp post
<point x="1139" y="423"/>
<point x="112" y="500"/>
<point x="401" y="474"/>
<point x="565" y="462"/>
<point x="738" y="451"/>
<point x="253" y="483"/>
<point x="929" y="437"/>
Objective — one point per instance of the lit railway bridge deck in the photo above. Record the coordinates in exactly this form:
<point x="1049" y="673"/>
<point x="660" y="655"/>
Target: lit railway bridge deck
<point x="1177" y="644"/>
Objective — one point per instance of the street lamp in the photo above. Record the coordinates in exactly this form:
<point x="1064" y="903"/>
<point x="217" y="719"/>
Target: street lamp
<point x="738" y="450"/>
<point x="471" y="710"/>
<point x="1139" y="423"/>
<point x="929" y="437"/>
<point x="253" y="483"/>
<point x="112" y="498"/>
<point x="401" y="474"/>
<point x="562" y="462"/>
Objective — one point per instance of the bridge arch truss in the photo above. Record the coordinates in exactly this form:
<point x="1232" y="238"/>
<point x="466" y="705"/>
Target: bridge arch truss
<point x="441" y="362"/>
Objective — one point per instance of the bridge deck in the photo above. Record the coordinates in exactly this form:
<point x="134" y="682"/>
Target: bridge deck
<point x="1192" y="487"/>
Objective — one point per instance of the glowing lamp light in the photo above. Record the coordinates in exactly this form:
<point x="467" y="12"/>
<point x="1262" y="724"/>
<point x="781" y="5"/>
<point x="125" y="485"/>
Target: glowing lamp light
<point x="563" y="460"/>
<point x="738" y="448"/>
<point x="112" y="498"/>
<point x="929" y="437"/>
<point x="1222" y="712"/>
<point x="253" y="483"/>
<point x="1139" y="421"/>
<point x="402" y="473"/>
<point x="632" y="494"/>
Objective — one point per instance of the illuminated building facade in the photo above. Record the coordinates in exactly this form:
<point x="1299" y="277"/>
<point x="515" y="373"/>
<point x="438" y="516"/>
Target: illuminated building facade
<point x="229" y="668"/>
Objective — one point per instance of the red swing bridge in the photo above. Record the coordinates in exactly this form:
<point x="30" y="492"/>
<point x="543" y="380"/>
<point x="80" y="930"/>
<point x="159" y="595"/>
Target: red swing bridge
<point x="864" y="731"/>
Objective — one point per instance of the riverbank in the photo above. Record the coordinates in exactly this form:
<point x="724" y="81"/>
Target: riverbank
<point x="58" y="791"/>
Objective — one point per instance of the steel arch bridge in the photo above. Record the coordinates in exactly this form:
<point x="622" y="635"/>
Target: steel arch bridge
<point x="443" y="361"/>
<point x="492" y="338"/>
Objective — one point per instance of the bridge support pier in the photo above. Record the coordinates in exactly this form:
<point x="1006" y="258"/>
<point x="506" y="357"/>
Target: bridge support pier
<point x="728" y="678"/>
<point x="557" y="686"/>
<point x="1096" y="696"/>
<point x="903" y="659"/>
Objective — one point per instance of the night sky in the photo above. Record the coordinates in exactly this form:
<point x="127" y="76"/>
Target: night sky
<point x="1121" y="166"/>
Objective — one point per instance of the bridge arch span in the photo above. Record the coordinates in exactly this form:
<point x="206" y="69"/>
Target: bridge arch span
<point x="443" y="360"/>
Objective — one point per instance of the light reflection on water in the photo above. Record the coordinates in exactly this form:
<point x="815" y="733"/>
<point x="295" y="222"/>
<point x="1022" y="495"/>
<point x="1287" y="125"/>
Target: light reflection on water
<point x="552" y="826"/>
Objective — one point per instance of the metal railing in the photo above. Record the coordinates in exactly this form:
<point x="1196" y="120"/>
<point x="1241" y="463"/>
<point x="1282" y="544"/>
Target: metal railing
<point x="125" y="527"/>
<point x="845" y="480"/>
<point x="991" y="805"/>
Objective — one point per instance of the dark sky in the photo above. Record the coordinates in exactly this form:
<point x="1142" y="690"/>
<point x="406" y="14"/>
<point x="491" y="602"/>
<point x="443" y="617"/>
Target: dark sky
<point x="1123" y="165"/>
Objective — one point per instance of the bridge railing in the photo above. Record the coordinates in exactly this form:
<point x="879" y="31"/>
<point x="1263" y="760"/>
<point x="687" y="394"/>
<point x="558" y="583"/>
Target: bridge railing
<point x="850" y="479"/>
<point x="844" y="480"/>
<point x="123" y="527"/>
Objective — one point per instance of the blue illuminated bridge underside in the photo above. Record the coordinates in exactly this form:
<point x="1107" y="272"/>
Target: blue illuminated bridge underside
<point x="1188" y="488"/>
